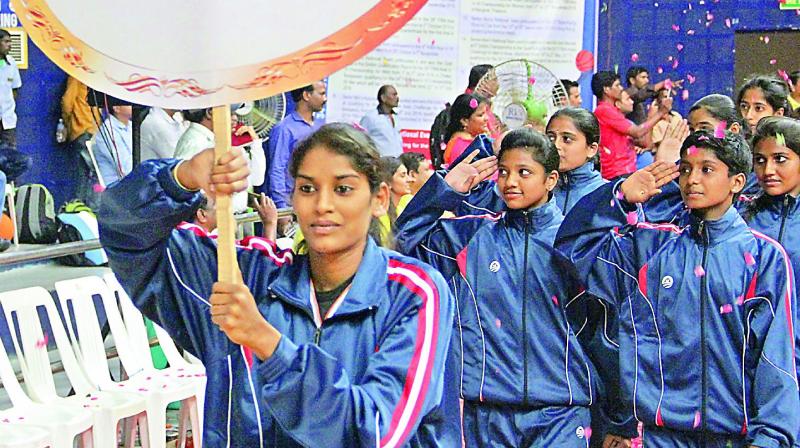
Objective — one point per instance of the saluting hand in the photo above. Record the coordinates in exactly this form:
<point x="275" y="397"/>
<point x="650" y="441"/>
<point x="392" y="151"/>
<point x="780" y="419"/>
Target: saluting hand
<point x="647" y="182"/>
<point x="464" y="176"/>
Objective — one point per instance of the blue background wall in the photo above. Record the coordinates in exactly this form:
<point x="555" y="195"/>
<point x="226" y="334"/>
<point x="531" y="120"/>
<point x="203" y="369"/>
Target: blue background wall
<point x="645" y="28"/>
<point x="625" y="27"/>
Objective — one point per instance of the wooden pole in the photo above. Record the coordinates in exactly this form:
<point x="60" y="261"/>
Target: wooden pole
<point x="226" y="225"/>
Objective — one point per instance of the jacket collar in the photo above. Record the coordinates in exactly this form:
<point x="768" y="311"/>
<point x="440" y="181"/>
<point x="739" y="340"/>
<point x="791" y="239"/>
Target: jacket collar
<point x="728" y="226"/>
<point x="580" y="175"/>
<point x="541" y="217"/>
<point x="778" y="203"/>
<point x="293" y="284"/>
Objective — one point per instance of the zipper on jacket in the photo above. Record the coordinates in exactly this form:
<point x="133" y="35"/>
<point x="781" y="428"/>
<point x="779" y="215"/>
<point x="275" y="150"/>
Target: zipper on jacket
<point x="784" y="215"/>
<point x="703" y="356"/>
<point x="525" y="313"/>
<point x="566" y="196"/>
<point x="317" y="335"/>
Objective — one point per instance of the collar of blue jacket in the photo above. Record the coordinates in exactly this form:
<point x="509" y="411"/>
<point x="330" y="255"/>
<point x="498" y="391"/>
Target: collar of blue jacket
<point x="579" y="175"/>
<point x="718" y="231"/>
<point x="540" y="217"/>
<point x="293" y="284"/>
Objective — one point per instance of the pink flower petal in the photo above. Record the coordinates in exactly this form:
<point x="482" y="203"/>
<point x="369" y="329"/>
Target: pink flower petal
<point x="634" y="57"/>
<point x="784" y="76"/>
<point x="659" y="70"/>
<point x="554" y="299"/>
<point x="773" y="61"/>
<point x="98" y="188"/>
<point x="719" y="131"/>
<point x="675" y="63"/>
<point x="676" y="28"/>
<point x="611" y="203"/>
<point x="699" y="271"/>
<point x="587" y="431"/>
<point x="679" y="47"/>
<point x="748" y="258"/>
<point x="632" y="218"/>
<point x="766" y="39"/>
<point x="473" y="103"/>
<point x="42" y="343"/>
<point x="690" y="32"/>
<point x="709" y="16"/>
<point x="728" y="22"/>
<point x="531" y="81"/>
<point x="725" y="309"/>
<point x="620" y="195"/>
<point x="691" y="150"/>
<point x="497" y="323"/>
<point x="740" y="300"/>
<point x="696" y="423"/>
<point x="691" y="78"/>
<point x="685" y="94"/>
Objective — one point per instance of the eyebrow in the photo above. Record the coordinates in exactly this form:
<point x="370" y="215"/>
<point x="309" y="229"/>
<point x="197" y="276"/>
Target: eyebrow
<point x="339" y="177"/>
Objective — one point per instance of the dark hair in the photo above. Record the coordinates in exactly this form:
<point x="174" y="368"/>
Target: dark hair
<point x="732" y="149"/>
<point x="476" y="73"/>
<point x="770" y="127"/>
<point x="382" y="91"/>
<point x="4" y="33"/>
<point x="794" y="76"/>
<point x="633" y="72"/>
<point x="568" y="84"/>
<point x="775" y="91"/>
<point x="601" y="80"/>
<point x="720" y="107"/>
<point x="195" y="115"/>
<point x="461" y="108"/>
<point x="412" y="160"/>
<point x="389" y="166"/>
<point x="297" y="94"/>
<point x="539" y="146"/>
<point x="584" y="120"/>
<point x="203" y="203"/>
<point x="345" y="140"/>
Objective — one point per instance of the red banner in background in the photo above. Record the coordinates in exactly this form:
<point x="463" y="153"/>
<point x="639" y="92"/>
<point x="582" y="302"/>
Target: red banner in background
<point x="416" y="140"/>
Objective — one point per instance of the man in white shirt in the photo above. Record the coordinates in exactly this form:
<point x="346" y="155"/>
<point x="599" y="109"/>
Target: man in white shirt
<point x="113" y="144"/>
<point x="381" y="123"/>
<point x="160" y="132"/>
<point x="198" y="136"/>
<point x="9" y="83"/>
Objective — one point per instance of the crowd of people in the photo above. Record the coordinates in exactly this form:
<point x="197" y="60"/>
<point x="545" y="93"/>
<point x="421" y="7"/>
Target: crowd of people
<point x="606" y="278"/>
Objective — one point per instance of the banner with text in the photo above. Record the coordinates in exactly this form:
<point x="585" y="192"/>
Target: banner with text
<point x="429" y="59"/>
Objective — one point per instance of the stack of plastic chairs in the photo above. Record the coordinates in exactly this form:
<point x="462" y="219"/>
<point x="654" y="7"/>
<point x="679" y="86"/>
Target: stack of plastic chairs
<point x="184" y="383"/>
<point x="108" y="409"/>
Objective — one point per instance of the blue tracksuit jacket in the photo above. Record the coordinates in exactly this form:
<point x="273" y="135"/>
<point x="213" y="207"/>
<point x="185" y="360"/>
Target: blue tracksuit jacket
<point x="706" y="328"/>
<point x="513" y="343"/>
<point x="779" y="218"/>
<point x="370" y="374"/>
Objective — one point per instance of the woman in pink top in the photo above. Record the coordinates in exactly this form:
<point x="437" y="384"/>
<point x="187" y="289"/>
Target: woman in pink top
<point x="469" y="116"/>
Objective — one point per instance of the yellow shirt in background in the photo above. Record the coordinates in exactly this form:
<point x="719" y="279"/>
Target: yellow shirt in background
<point x="76" y="112"/>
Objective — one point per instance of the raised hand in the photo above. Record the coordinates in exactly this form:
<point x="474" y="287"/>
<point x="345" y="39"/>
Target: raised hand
<point x="669" y="150"/>
<point x="464" y="176"/>
<point x="647" y="182"/>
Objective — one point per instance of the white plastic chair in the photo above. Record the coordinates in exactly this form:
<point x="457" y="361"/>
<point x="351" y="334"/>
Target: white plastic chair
<point x="159" y="387"/>
<point x="63" y="421"/>
<point x="24" y="436"/>
<point x="108" y="408"/>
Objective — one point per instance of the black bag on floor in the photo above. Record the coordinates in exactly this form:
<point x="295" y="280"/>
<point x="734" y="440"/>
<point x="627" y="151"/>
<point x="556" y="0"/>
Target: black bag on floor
<point x="36" y="215"/>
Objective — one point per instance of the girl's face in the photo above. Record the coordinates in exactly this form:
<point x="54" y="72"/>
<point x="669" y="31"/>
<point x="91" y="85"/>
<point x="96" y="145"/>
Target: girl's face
<point x="478" y="122"/>
<point x="777" y="168"/>
<point x="333" y="203"/>
<point x="700" y="119"/>
<point x="706" y="186"/>
<point x="573" y="150"/>
<point x="401" y="182"/>
<point x="754" y="106"/>
<point x="523" y="181"/>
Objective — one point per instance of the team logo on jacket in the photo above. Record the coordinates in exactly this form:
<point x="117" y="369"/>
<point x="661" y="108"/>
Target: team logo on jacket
<point x="494" y="266"/>
<point x="667" y="282"/>
<point x="580" y="432"/>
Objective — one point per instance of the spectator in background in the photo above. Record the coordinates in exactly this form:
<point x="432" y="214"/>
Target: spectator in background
<point x="617" y="156"/>
<point x="469" y="117"/>
<point x="160" y="132"/>
<point x="438" y="142"/>
<point x="381" y="123"/>
<point x="199" y="135"/>
<point x="660" y="128"/>
<point x="9" y="83"/>
<point x="794" y="89"/>
<point x="285" y="136"/>
<point x="573" y="98"/>
<point x="762" y="96"/>
<point x="113" y="144"/>
<point x="81" y="121"/>
<point x="419" y="169"/>
<point x="640" y="90"/>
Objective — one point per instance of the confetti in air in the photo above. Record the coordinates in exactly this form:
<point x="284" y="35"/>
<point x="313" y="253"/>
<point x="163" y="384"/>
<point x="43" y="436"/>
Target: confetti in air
<point x="725" y="309"/>
<point x="634" y="57"/>
<point x="632" y="218"/>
